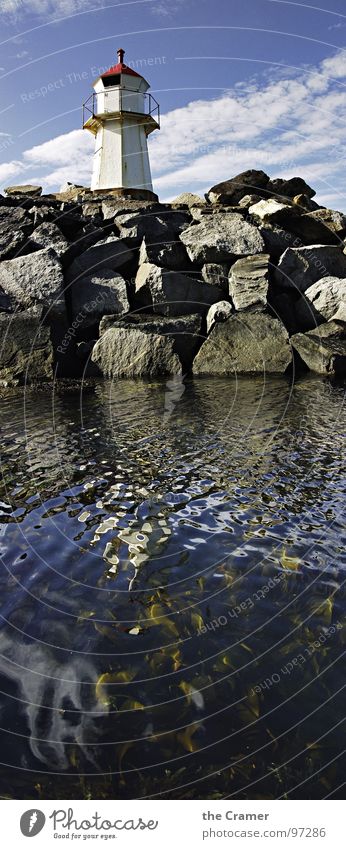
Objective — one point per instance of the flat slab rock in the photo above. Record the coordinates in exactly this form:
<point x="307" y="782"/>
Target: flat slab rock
<point x="98" y="294"/>
<point x="250" y="343"/>
<point x="249" y="281"/>
<point x="299" y="268"/>
<point x="107" y="253"/>
<point x="26" y="352"/>
<point x="171" y="293"/>
<point x="35" y="279"/>
<point x="221" y="236"/>
<point x="323" y="349"/>
<point x="146" y="346"/>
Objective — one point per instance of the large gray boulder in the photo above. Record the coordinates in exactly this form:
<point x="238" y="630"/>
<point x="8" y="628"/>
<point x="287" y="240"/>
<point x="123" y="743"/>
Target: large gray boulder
<point x="230" y="192"/>
<point x="155" y="227"/>
<point x="332" y="220"/>
<point x="321" y="301"/>
<point x="289" y="188"/>
<point x="171" y="293"/>
<point x="49" y="235"/>
<point x="188" y="199"/>
<point x="107" y="253"/>
<point x="111" y="207"/>
<point x="146" y="346"/>
<point x="221" y="237"/>
<point x="249" y="281"/>
<point x="250" y="343"/>
<point x="299" y="268"/>
<point x="172" y="255"/>
<point x="95" y="295"/>
<point x="277" y="239"/>
<point x="26" y="352"/>
<point x="15" y="227"/>
<point x="35" y="279"/>
<point x="323" y="349"/>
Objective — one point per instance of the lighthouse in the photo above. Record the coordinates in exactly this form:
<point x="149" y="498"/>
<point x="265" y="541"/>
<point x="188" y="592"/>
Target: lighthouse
<point x="121" y="114"/>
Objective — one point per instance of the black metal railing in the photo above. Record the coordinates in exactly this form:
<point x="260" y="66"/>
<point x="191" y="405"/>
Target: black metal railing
<point x="151" y="106"/>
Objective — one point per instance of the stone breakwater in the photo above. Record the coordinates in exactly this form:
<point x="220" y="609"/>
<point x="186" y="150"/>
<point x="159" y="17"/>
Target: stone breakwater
<point x="249" y="279"/>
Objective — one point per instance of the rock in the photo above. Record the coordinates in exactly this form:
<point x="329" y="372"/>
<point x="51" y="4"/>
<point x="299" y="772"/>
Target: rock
<point x="299" y="268"/>
<point x="340" y="314"/>
<point x="15" y="227"/>
<point x="321" y="301"/>
<point x="216" y="274"/>
<point x="231" y="191"/>
<point x="221" y="237"/>
<point x="26" y="353"/>
<point x="218" y="312"/>
<point x="7" y="304"/>
<point x="108" y="253"/>
<point x="101" y="293"/>
<point x="249" y="200"/>
<point x="48" y="235"/>
<point x="147" y="346"/>
<point x="306" y="203"/>
<point x="35" y="279"/>
<point x="289" y="188"/>
<point x="155" y="228"/>
<point x="29" y="191"/>
<point x="333" y="221"/>
<point x="323" y="350"/>
<point x="123" y="206"/>
<point x="248" y="282"/>
<point x="277" y="240"/>
<point x="171" y="293"/>
<point x="272" y="211"/>
<point x="250" y="343"/>
<point x="70" y="187"/>
<point x="282" y="306"/>
<point x="188" y="199"/>
<point x="92" y="209"/>
<point x="172" y="255"/>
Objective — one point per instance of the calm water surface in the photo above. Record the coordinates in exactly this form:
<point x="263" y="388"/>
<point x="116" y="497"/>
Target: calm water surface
<point x="173" y="590"/>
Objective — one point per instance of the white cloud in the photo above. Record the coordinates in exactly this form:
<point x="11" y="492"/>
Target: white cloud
<point x="46" y="8"/>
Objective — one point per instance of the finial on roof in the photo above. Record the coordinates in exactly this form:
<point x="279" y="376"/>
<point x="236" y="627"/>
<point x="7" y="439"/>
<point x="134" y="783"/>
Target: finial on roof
<point x="121" y="54"/>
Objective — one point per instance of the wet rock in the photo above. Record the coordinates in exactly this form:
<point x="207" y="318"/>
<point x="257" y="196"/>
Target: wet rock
<point x="171" y="293"/>
<point x="35" y="279"/>
<point x="247" y="343"/>
<point x="248" y="282"/>
<point x="230" y="192"/>
<point x="218" y="312"/>
<point x="98" y="294"/>
<point x="323" y="349"/>
<point x="299" y="268"/>
<point x="15" y="227"/>
<point x="289" y="188"/>
<point x="29" y="191"/>
<point x="220" y="238"/>
<point x="107" y="253"/>
<point x="26" y="353"/>
<point x="147" y="346"/>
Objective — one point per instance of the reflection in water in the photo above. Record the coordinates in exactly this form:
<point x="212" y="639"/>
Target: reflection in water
<point x="173" y="605"/>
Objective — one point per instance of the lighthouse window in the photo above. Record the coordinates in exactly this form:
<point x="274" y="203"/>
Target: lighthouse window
<point x="113" y="79"/>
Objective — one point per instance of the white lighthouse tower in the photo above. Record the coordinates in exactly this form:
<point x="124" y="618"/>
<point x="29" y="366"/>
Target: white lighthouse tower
<point x="121" y="114"/>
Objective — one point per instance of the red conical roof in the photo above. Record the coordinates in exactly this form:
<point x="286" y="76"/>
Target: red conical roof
<point x="121" y="68"/>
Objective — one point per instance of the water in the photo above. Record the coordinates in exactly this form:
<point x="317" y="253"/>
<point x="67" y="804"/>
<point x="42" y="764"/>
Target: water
<point x="173" y="603"/>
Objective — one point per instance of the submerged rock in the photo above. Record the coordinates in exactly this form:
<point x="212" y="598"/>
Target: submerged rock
<point x="250" y="343"/>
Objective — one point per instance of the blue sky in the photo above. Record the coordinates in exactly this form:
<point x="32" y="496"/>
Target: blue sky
<point x="241" y="84"/>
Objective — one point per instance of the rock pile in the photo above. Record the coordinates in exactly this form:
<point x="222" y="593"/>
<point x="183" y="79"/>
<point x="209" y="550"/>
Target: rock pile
<point x="249" y="279"/>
